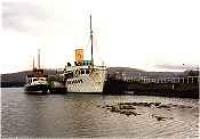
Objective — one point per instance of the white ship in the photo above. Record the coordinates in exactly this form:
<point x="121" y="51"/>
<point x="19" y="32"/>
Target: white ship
<point x="84" y="76"/>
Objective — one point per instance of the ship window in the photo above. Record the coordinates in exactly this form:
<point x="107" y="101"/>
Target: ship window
<point x="82" y="71"/>
<point x="87" y="71"/>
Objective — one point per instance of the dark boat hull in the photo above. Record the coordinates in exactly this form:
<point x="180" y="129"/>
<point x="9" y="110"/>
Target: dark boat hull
<point x="37" y="88"/>
<point x="57" y="87"/>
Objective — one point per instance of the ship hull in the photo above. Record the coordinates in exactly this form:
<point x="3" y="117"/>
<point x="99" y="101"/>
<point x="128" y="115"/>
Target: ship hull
<point x="37" y="88"/>
<point x="92" y="83"/>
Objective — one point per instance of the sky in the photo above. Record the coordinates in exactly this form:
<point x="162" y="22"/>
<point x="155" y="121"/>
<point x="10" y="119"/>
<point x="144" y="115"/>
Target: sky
<point x="153" y="35"/>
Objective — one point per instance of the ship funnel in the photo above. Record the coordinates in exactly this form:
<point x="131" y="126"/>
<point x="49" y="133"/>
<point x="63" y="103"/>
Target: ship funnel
<point x="79" y="56"/>
<point x="91" y="39"/>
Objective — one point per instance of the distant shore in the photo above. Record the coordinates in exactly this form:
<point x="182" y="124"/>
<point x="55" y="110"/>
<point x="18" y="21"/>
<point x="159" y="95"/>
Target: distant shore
<point x="12" y="84"/>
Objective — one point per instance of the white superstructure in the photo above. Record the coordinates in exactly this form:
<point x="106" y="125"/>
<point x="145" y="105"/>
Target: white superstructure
<point x="85" y="79"/>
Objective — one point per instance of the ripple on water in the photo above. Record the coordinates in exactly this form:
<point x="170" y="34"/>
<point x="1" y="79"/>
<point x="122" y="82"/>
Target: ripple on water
<point x="77" y="115"/>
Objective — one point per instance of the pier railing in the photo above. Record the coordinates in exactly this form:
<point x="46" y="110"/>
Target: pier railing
<point x="146" y="79"/>
<point x="184" y="80"/>
<point x="188" y="79"/>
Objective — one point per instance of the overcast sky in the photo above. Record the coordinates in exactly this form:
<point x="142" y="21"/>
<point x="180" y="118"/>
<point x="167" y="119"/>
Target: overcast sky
<point x="159" y="35"/>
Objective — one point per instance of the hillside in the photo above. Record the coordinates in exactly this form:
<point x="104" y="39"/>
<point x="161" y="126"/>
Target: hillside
<point x="111" y="70"/>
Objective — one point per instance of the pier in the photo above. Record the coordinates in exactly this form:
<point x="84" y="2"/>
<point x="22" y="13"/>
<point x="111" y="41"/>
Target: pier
<point x="180" y="85"/>
<point x="148" y="78"/>
<point x="144" y="79"/>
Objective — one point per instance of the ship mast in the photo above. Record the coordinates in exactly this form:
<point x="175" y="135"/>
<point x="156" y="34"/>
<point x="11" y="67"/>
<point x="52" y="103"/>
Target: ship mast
<point x="38" y="58"/>
<point x="91" y="38"/>
<point x="33" y="63"/>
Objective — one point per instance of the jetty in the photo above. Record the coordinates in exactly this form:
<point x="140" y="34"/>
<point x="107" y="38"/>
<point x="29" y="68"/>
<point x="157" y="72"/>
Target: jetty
<point x="184" y="84"/>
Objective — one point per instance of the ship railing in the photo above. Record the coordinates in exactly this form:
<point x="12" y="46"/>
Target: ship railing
<point x="71" y="68"/>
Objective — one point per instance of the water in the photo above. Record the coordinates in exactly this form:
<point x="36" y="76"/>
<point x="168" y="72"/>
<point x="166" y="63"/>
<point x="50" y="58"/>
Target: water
<point x="78" y="115"/>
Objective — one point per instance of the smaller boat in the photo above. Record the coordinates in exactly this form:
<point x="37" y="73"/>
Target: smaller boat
<point x="57" y="84"/>
<point x="57" y="87"/>
<point x="37" y="80"/>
